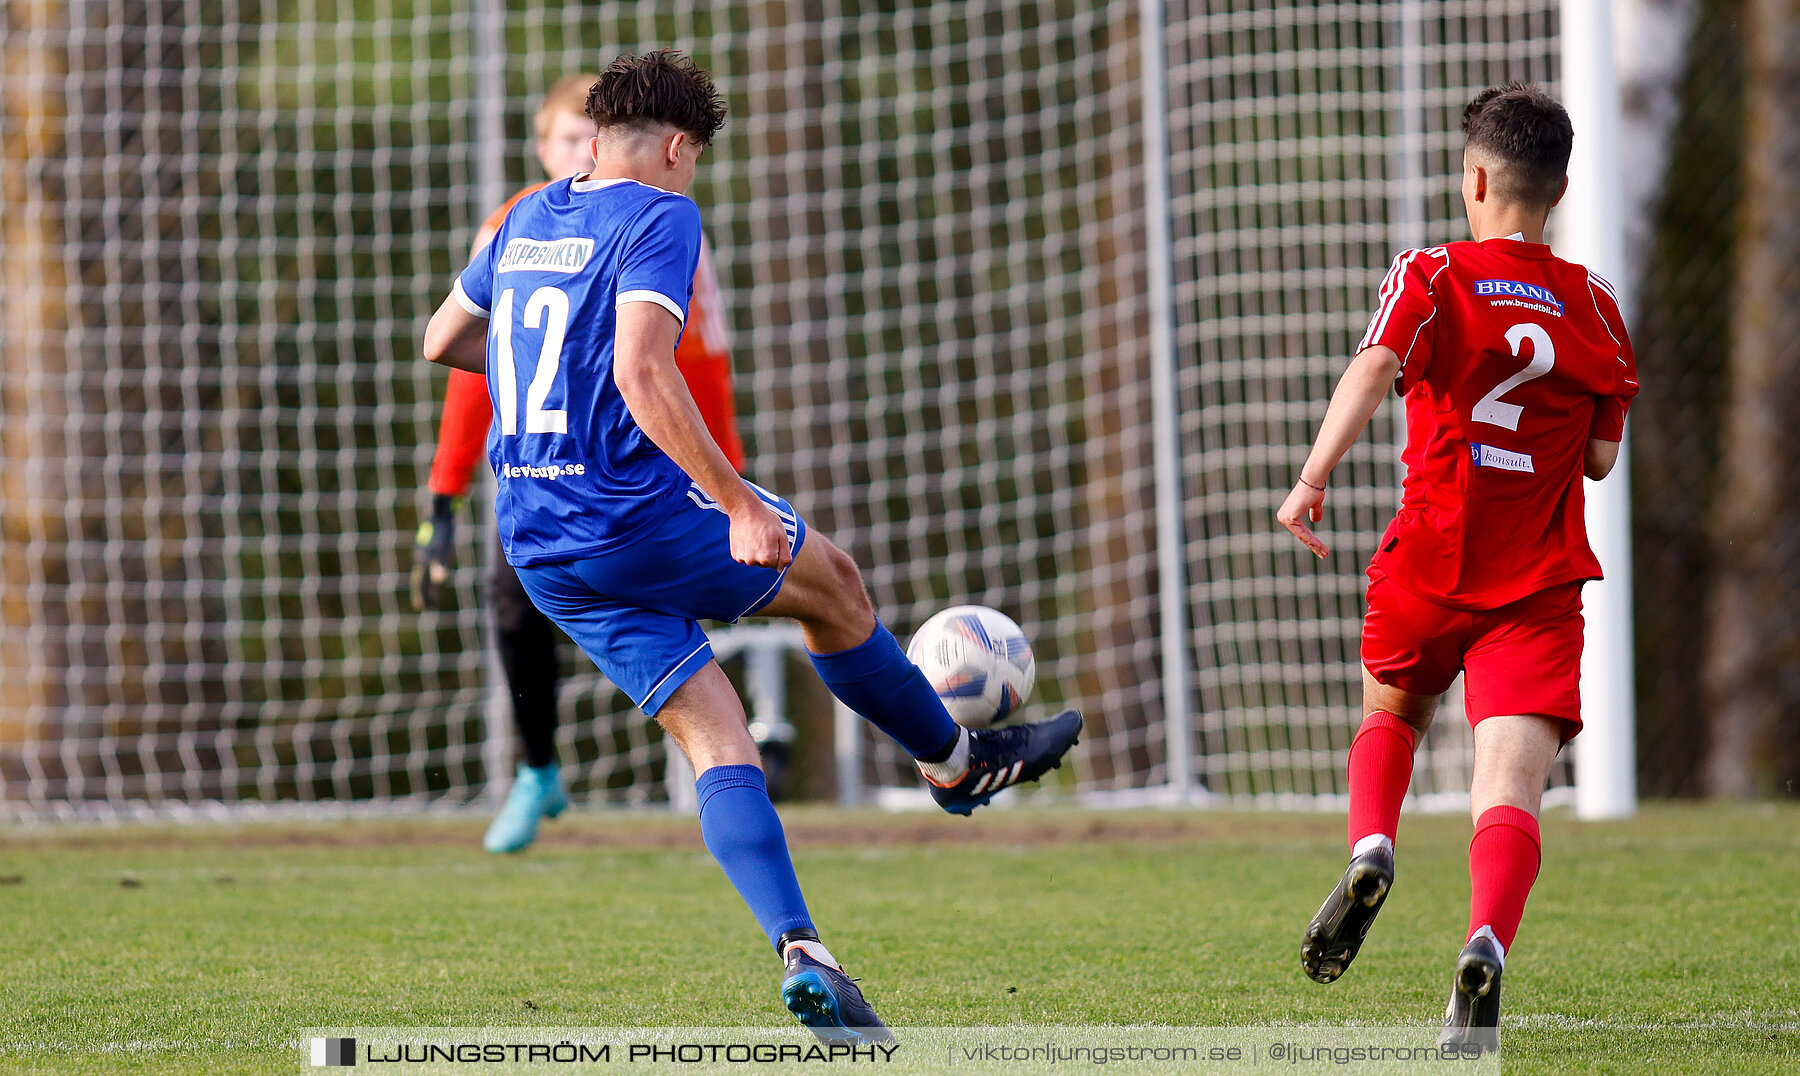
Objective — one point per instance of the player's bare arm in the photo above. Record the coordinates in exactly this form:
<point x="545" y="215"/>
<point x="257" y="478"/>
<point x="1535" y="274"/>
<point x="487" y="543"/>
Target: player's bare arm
<point x="658" y="398"/>
<point x="1359" y="392"/>
<point x="1597" y="462"/>
<point x="456" y="338"/>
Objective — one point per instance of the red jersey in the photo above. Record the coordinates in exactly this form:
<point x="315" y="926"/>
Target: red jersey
<point x="703" y="357"/>
<point x="1511" y="359"/>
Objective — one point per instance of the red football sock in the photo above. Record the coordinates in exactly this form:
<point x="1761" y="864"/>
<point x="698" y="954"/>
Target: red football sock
<point x="1381" y="761"/>
<point x="1503" y="862"/>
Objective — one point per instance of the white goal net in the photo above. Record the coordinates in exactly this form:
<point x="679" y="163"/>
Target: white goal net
<point x="226" y="223"/>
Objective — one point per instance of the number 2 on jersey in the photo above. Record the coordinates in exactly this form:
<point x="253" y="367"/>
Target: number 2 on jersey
<point x="1490" y="408"/>
<point x="551" y="302"/>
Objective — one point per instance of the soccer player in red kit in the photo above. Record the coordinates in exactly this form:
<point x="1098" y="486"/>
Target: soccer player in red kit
<point x="1516" y="372"/>
<point x="524" y="636"/>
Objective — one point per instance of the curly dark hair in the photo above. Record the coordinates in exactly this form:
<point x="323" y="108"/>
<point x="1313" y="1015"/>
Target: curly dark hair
<point x="658" y="87"/>
<point x="1526" y="136"/>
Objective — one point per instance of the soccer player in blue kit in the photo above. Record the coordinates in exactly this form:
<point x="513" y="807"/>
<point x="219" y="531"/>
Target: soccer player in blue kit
<point x="628" y="525"/>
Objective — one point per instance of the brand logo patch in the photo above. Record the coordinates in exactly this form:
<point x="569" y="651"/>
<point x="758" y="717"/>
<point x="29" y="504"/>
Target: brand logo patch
<point x="545" y="256"/>
<point x="1516" y="289"/>
<point x="1489" y="456"/>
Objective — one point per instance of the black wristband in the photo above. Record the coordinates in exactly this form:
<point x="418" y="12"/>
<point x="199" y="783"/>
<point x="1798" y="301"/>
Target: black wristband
<point x="1304" y="482"/>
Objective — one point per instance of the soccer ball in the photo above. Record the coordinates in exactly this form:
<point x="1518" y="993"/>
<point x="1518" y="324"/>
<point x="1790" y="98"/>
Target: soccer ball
<point x="978" y="662"/>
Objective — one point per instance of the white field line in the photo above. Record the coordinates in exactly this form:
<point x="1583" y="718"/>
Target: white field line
<point x="144" y="1046"/>
<point x="1741" y="1021"/>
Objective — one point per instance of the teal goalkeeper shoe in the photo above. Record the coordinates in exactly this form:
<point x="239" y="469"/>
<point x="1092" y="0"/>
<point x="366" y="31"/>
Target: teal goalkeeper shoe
<point x="537" y="793"/>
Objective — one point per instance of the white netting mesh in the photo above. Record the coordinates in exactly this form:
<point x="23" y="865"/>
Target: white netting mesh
<point x="226" y="223"/>
<point x="1310" y="143"/>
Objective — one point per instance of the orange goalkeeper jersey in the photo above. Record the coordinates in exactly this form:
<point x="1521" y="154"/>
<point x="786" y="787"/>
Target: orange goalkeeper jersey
<point x="703" y="356"/>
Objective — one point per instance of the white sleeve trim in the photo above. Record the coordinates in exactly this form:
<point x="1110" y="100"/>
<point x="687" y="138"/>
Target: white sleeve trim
<point x="1392" y="287"/>
<point x="463" y="300"/>
<point x="656" y="297"/>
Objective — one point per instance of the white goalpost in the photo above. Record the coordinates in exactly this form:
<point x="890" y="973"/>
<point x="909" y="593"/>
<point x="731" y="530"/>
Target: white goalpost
<point x="1590" y="230"/>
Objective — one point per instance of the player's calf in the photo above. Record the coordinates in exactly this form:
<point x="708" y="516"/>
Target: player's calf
<point x="1335" y="935"/>
<point x="823" y="589"/>
<point x="856" y="656"/>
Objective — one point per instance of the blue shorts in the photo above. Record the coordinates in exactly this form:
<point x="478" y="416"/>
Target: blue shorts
<point x="636" y="610"/>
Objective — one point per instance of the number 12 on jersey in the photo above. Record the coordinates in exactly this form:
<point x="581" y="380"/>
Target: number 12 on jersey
<point x="548" y="309"/>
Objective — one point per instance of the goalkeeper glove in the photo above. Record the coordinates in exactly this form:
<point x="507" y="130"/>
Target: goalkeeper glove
<point x="434" y="552"/>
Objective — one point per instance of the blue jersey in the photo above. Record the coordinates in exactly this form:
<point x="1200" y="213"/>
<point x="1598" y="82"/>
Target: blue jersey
<point x="577" y="475"/>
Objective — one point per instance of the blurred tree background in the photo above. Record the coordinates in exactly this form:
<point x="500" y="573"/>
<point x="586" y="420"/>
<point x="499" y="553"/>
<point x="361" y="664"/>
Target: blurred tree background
<point x="1717" y="330"/>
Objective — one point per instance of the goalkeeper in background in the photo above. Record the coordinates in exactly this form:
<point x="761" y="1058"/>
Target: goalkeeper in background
<point x="525" y="637"/>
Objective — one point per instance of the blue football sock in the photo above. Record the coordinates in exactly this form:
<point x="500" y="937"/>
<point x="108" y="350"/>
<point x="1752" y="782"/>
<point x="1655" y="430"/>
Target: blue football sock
<point x="743" y="833"/>
<point x="877" y="681"/>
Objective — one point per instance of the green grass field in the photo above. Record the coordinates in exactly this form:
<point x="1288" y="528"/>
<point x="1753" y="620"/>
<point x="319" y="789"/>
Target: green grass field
<point x="1669" y="943"/>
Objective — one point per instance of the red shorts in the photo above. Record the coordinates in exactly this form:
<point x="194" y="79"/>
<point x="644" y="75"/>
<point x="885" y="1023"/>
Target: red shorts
<point x="1521" y="658"/>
